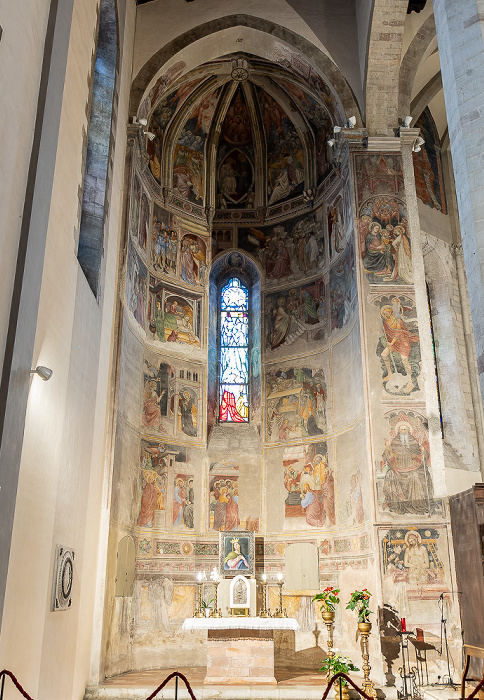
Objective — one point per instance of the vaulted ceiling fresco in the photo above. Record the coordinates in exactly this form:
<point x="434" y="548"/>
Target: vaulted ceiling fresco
<point x="239" y="132"/>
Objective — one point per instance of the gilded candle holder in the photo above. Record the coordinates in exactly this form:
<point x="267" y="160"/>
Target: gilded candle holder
<point x="328" y="618"/>
<point x="365" y="629"/>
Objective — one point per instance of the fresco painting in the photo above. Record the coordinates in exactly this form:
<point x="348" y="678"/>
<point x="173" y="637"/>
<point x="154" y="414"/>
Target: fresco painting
<point x="176" y="318"/>
<point x="291" y="314"/>
<point x="295" y="403"/>
<point x="384" y="241"/>
<point x="171" y="390"/>
<point x="144" y="221"/>
<point x="159" y="121"/>
<point x="183" y="501"/>
<point x="427" y="163"/>
<point x="399" y="345"/>
<point x="152" y="483"/>
<point x="379" y="174"/>
<point x="336" y="226"/>
<point x="193" y="259"/>
<point x="136" y="285"/>
<point x="188" y="172"/>
<point x="137" y="192"/>
<point x="288" y="251"/>
<point x="235" y="180"/>
<point x="164" y="242"/>
<point x="285" y="161"/>
<point x="342" y="285"/>
<point x="224" y="496"/>
<point x="309" y="482"/>
<point x="405" y="485"/>
<point x="413" y="568"/>
<point x="320" y="121"/>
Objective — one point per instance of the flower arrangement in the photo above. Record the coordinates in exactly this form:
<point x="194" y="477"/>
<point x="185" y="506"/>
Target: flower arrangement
<point x="329" y="599"/>
<point x="360" y="601"/>
<point x="338" y="664"/>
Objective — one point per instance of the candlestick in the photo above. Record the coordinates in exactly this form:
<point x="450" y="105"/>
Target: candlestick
<point x="404" y="624"/>
<point x="264" y="612"/>
<point x="215" y="612"/>
<point x="280" y="611"/>
<point x="198" y="608"/>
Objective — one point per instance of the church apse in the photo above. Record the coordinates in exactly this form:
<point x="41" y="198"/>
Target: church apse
<point x="256" y="417"/>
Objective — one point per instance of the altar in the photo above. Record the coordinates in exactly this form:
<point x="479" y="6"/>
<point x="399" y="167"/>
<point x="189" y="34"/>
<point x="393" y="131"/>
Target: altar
<point x="240" y="650"/>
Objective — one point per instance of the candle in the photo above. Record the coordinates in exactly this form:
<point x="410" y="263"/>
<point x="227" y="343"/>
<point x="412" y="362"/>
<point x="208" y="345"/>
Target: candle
<point x="264" y="577"/>
<point x="214" y="574"/>
<point x="199" y="576"/>
<point x="404" y="625"/>
<point x="279" y="576"/>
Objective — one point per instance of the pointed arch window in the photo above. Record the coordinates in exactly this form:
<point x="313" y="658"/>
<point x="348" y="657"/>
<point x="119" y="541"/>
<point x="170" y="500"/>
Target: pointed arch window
<point x="234" y="344"/>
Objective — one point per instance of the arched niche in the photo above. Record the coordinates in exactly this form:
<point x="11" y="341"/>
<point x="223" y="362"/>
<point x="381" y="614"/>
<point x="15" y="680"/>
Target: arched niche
<point x="302" y="567"/>
<point x="125" y="565"/>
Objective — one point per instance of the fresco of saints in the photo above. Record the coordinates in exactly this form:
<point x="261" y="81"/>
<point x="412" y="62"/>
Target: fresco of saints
<point x="151" y="499"/>
<point x="188" y="414"/>
<point x="407" y="487"/>
<point x="179" y="500"/>
<point x="398" y="340"/>
<point x="416" y="559"/>
<point x="151" y="417"/>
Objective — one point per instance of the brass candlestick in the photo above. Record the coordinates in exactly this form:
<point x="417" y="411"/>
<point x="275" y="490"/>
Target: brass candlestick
<point x="280" y="611"/>
<point x="328" y="617"/>
<point x="199" y="612"/>
<point x="264" y="612"/>
<point x="365" y="629"/>
<point x="215" y="612"/>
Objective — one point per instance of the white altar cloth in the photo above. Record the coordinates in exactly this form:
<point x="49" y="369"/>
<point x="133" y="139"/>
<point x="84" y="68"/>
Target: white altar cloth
<point x="240" y="623"/>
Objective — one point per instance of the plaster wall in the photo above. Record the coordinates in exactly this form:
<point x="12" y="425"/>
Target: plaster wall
<point x="60" y="494"/>
<point x="21" y="54"/>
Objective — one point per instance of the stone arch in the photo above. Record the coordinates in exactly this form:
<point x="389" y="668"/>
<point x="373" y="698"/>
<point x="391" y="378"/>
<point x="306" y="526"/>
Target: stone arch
<point x="384" y="57"/>
<point x="411" y="63"/>
<point x="305" y="47"/>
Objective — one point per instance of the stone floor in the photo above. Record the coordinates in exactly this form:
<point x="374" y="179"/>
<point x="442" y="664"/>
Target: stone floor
<point x="292" y="684"/>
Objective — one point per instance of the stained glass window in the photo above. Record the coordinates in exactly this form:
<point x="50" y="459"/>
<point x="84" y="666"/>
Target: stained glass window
<point x="234" y="353"/>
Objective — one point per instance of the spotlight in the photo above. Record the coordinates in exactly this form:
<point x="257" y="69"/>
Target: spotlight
<point x="143" y="122"/>
<point x="351" y="122"/>
<point x="44" y="372"/>
<point x="150" y="135"/>
<point x="406" y="122"/>
<point x="417" y="144"/>
<point x="332" y="143"/>
<point x="336" y="129"/>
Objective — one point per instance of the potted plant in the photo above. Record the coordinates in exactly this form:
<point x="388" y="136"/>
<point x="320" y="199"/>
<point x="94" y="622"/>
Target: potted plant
<point x="359" y="601"/>
<point x="206" y="606"/>
<point x="338" y="664"/>
<point x="329" y="599"/>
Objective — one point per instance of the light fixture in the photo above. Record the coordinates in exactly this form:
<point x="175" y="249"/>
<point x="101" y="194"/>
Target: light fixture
<point x="143" y="122"/>
<point x="44" y="372"/>
<point x="336" y="129"/>
<point x="150" y="135"/>
<point x="406" y="122"/>
<point x="351" y="122"/>
<point x="332" y="143"/>
<point x="417" y="144"/>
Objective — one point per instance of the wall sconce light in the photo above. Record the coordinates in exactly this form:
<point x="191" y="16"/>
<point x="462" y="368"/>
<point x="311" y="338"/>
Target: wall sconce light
<point x="351" y="122"/>
<point x="406" y="122"/>
<point x="150" y="135"/>
<point x="44" y="372"/>
<point x="417" y="144"/>
<point x="331" y="143"/>
<point x="337" y="129"/>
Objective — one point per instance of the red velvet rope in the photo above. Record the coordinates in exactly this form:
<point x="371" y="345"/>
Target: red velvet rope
<point x="477" y="689"/>
<point x="15" y="682"/>
<point x="348" y="680"/>
<point x="184" y="679"/>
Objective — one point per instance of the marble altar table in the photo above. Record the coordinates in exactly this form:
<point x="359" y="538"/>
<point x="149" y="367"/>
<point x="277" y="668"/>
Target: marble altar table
<point x="240" y="650"/>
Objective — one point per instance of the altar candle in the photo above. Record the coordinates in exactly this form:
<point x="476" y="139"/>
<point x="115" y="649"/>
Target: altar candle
<point x="279" y="576"/>
<point x="199" y="576"/>
<point x="404" y="625"/>
<point x="264" y="577"/>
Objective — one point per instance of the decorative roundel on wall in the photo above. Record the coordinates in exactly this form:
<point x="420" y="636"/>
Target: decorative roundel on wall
<point x="235" y="260"/>
<point x="186" y="548"/>
<point x="63" y="578"/>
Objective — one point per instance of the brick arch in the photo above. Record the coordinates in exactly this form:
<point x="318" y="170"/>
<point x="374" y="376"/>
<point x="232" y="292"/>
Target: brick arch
<point x="305" y="47"/>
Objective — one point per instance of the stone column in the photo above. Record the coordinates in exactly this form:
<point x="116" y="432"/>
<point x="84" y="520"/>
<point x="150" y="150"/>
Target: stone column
<point x="461" y="46"/>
